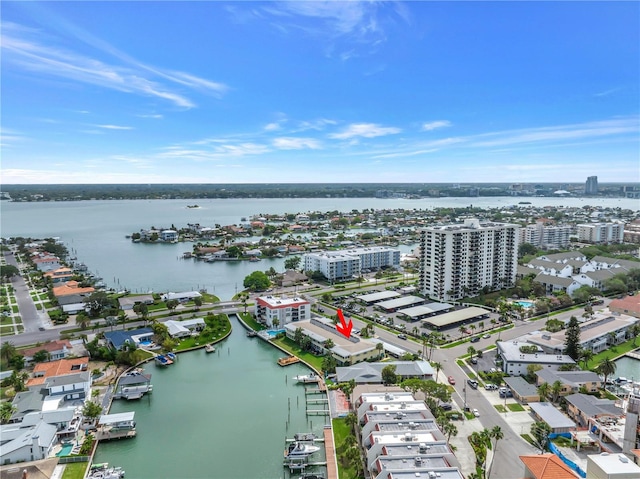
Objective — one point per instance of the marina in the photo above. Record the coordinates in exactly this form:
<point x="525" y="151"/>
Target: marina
<point x="201" y="401"/>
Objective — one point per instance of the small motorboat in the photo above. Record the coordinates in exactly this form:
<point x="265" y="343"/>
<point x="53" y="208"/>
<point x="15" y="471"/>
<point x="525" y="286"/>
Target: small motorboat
<point x="299" y="449"/>
<point x="306" y="378"/>
<point x="210" y="348"/>
<point x="305" y="436"/>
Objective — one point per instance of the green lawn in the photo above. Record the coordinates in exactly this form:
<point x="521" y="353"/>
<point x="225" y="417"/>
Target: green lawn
<point x="612" y="352"/>
<point x="6" y="330"/>
<point x="515" y="407"/>
<point x="5" y="320"/>
<point x="251" y="322"/>
<point x="500" y="407"/>
<point x="14" y="308"/>
<point x="340" y="433"/>
<point x="210" y="298"/>
<point x="74" y="470"/>
<point x="293" y="348"/>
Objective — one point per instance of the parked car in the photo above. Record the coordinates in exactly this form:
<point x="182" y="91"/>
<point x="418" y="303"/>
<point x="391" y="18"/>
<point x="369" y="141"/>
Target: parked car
<point x="473" y="383"/>
<point x="475" y="412"/>
<point x="402" y="336"/>
<point x="474" y="360"/>
<point x="490" y="387"/>
<point x="446" y="406"/>
<point x="451" y="380"/>
<point x="486" y="336"/>
<point x="475" y="339"/>
<point x="505" y="393"/>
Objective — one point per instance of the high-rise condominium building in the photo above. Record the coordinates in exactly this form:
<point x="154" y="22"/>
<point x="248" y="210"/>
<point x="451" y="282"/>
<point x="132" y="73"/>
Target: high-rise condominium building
<point x="591" y="186"/>
<point x="461" y="259"/>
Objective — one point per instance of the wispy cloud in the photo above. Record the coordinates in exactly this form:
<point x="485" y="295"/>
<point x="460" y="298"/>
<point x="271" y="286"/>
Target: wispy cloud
<point x="607" y="92"/>
<point x="433" y="125"/>
<point x="272" y="126"/>
<point x="9" y="137"/>
<point x="24" y="49"/>
<point x="288" y="143"/>
<point x="155" y="116"/>
<point x="559" y="133"/>
<point x="115" y="127"/>
<point x="365" y="130"/>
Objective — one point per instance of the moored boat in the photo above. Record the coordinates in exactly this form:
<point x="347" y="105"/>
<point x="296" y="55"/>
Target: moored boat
<point x="307" y="378"/>
<point x="299" y="449"/>
<point x="210" y="348"/>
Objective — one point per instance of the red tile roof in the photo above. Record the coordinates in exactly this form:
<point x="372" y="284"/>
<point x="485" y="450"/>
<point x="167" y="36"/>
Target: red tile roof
<point x="61" y="367"/>
<point x="547" y="466"/>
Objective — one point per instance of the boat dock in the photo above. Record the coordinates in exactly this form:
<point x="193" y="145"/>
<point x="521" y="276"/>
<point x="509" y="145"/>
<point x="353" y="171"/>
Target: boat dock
<point x="329" y="447"/>
<point x="108" y="434"/>
<point x="633" y="355"/>
<point x="288" y="360"/>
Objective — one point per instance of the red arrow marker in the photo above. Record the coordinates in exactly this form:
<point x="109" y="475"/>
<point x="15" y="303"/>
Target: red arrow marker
<point x="343" y="327"/>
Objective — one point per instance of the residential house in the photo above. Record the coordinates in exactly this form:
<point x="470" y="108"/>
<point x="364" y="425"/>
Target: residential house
<point x="548" y="413"/>
<point x="554" y="284"/>
<point x="545" y="466"/>
<point x="583" y="408"/>
<point x="60" y="275"/>
<point x="182" y="297"/>
<point x="169" y="236"/>
<point x="185" y="328"/>
<point x="523" y="391"/>
<point x="57" y="349"/>
<point x="71" y="292"/>
<point x="21" y="444"/>
<point x="572" y="381"/>
<point x="128" y="302"/>
<point x="118" y="339"/>
<point x="290" y="278"/>
<point x="46" y="263"/>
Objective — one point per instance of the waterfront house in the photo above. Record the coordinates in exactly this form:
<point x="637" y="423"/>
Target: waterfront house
<point x="182" y="297"/>
<point x="22" y="444"/>
<point x="71" y="292"/>
<point x="185" y="328"/>
<point x="128" y="302"/>
<point x="60" y="275"/>
<point x="169" y="236"/>
<point x="46" y="263"/>
<point x="118" y="339"/>
<point x="61" y="367"/>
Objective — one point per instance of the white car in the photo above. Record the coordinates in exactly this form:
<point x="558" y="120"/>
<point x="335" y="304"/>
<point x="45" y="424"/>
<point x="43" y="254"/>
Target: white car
<point x="475" y="412"/>
<point x="486" y="336"/>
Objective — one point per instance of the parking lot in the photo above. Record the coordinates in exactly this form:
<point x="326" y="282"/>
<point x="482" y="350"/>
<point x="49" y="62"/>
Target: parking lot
<point x="351" y="305"/>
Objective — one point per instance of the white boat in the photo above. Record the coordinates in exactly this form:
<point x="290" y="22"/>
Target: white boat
<point x="306" y="378"/>
<point x="210" y="348"/>
<point x="299" y="449"/>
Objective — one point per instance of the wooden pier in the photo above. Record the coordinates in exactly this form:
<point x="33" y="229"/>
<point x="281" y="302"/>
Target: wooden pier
<point x="110" y="434"/>
<point x="329" y="448"/>
<point x="317" y="412"/>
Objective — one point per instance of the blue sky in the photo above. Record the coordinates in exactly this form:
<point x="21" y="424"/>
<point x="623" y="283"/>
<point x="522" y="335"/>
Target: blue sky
<point x="267" y="92"/>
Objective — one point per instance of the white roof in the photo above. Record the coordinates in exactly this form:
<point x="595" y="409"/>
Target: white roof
<point x="115" y="418"/>
<point x="614" y="463"/>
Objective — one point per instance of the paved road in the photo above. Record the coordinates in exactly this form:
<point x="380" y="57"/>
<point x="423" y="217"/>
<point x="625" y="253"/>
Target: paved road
<point x="31" y="319"/>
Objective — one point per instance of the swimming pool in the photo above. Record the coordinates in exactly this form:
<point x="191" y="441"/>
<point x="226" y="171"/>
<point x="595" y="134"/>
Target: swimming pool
<point x="65" y="451"/>
<point x="146" y="343"/>
<point x="525" y="303"/>
<point x="274" y="332"/>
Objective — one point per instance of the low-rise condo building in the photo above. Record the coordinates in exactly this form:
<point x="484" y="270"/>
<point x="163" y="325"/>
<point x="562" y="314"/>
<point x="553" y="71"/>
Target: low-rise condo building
<point x="268" y="309"/>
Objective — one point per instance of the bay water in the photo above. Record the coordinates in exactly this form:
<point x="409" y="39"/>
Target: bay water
<point x="226" y="414"/>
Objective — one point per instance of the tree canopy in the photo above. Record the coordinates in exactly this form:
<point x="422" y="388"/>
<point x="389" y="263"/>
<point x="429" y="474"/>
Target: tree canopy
<point x="257" y="281"/>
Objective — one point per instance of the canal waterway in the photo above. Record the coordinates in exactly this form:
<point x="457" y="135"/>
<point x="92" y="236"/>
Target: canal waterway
<point x="224" y="414"/>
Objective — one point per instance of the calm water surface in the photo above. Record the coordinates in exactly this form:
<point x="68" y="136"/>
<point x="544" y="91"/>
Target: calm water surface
<point x="96" y="230"/>
<point x="224" y="414"/>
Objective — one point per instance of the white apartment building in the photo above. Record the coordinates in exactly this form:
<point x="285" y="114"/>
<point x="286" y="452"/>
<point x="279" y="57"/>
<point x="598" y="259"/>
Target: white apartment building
<point x="547" y="237"/>
<point x="601" y="233"/>
<point x="285" y="310"/>
<point x="459" y="260"/>
<point x="345" y="264"/>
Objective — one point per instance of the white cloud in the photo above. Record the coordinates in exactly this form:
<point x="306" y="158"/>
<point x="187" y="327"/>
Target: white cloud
<point x="288" y="143"/>
<point x="132" y="77"/>
<point x="114" y="127"/>
<point x="366" y="130"/>
<point x="435" y="124"/>
<point x="156" y="116"/>
<point x="272" y="127"/>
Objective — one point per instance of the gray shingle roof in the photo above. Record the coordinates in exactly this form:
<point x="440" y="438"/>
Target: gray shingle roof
<point x="592" y="406"/>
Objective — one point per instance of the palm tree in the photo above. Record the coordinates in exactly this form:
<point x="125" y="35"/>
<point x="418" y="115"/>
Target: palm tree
<point x="634" y="332"/>
<point x="450" y="429"/>
<point x="380" y="348"/>
<point x="6" y="411"/>
<point x="471" y="350"/>
<point x="462" y="330"/>
<point x="556" y="389"/>
<point x="586" y="355"/>
<point x="606" y="368"/>
<point x="437" y="366"/>
<point x="496" y="434"/>
<point x="544" y="390"/>
<point x="328" y="344"/>
<point x="275" y="323"/>
<point x="472" y="328"/>
<point x="7" y="351"/>
<point x="481" y="325"/>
